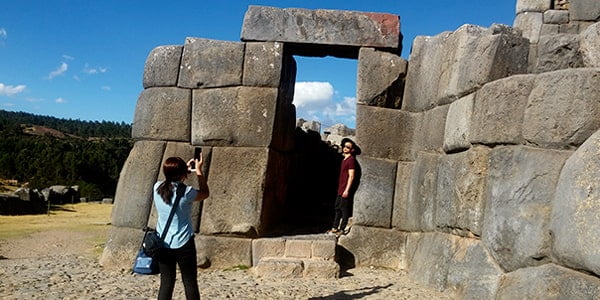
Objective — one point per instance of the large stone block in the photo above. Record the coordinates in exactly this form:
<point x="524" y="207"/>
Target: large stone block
<point x="533" y="5"/>
<point x="458" y="124"/>
<point x="374" y="197"/>
<point x="476" y="55"/>
<point x="275" y="267"/>
<point x="557" y="52"/>
<point x="499" y="110"/>
<point x="376" y="247"/>
<point x="324" y="27"/>
<point x="185" y="151"/>
<point x="162" y="66"/>
<point x="234" y="116"/>
<point x="574" y="222"/>
<point x="430" y="135"/>
<point x="531" y="25"/>
<point x="520" y="190"/>
<point x="472" y="272"/>
<point x="133" y="197"/>
<point x="400" y="212"/>
<point x="387" y="133"/>
<point x="461" y="192"/>
<point x="235" y="205"/>
<point x="563" y="108"/>
<point x="224" y="252"/>
<point x="263" y="64"/>
<point x="590" y="46"/>
<point x="163" y="114"/>
<point x="427" y="56"/>
<point x="584" y="10"/>
<point x="121" y="247"/>
<point x="431" y="259"/>
<point x="210" y="63"/>
<point x="422" y="194"/>
<point x="548" y="282"/>
<point x="380" y="78"/>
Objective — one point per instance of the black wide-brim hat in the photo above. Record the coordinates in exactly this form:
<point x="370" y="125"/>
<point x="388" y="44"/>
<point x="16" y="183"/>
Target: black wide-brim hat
<point x="356" y="148"/>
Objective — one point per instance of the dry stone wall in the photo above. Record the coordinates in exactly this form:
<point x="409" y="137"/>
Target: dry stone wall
<point x="479" y="152"/>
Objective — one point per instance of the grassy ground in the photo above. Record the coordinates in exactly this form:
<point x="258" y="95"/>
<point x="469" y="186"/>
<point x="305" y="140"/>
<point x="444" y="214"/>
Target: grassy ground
<point x="90" y="220"/>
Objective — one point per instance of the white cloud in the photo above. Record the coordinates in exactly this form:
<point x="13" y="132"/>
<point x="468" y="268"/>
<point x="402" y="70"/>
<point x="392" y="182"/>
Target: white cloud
<point x="60" y="100"/>
<point x="68" y="57"/>
<point x="106" y="88"/>
<point x="97" y="70"/>
<point x="34" y="100"/>
<point x="9" y="90"/>
<point x="8" y="104"/>
<point x="59" y="71"/>
<point x="311" y="94"/>
<point x="3" y="33"/>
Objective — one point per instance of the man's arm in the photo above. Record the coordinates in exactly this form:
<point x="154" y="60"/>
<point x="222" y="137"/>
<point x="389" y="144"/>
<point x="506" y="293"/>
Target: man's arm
<point x="349" y="183"/>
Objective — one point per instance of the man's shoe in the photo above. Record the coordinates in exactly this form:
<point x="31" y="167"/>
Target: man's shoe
<point x="332" y="231"/>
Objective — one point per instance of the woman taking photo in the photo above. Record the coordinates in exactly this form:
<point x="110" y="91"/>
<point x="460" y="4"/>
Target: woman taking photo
<point x="180" y="248"/>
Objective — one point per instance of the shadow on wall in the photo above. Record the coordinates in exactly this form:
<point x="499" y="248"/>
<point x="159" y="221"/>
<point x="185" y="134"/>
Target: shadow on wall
<point x="312" y="185"/>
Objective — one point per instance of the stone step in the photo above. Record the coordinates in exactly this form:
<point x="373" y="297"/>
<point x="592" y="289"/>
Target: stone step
<point x="281" y="267"/>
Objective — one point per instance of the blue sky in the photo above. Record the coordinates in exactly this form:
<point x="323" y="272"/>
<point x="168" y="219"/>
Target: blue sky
<point x="84" y="60"/>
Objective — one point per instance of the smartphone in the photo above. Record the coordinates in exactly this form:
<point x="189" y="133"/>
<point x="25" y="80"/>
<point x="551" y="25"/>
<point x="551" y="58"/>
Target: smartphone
<point x="197" y="152"/>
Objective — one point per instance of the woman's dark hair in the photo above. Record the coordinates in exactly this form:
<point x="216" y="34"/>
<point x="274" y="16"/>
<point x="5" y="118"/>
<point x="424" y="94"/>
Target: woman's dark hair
<point x="174" y="169"/>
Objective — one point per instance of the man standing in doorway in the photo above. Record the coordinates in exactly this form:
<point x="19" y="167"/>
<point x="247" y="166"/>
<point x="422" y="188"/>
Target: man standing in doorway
<point x="346" y="187"/>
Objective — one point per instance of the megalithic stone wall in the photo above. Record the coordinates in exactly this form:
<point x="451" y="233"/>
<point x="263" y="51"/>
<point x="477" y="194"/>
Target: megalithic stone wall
<point x="479" y="152"/>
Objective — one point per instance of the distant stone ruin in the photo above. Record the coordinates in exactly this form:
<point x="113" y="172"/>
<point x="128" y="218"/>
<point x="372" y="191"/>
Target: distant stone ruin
<point x="479" y="154"/>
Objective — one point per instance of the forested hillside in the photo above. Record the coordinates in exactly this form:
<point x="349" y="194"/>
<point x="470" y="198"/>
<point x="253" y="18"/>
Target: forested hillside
<point x="47" y="151"/>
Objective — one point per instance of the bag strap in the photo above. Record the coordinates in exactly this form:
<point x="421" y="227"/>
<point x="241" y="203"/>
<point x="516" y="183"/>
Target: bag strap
<point x="180" y="191"/>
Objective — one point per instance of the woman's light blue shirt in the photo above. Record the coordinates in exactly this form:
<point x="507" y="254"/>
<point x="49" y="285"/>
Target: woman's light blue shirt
<point x="181" y="228"/>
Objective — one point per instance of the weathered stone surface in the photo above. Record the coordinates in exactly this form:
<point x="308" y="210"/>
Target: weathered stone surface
<point x="574" y="221"/>
<point x="323" y="249"/>
<point x="267" y="247"/>
<point x="557" y="52"/>
<point x="424" y="71"/>
<point x="431" y="259"/>
<point x="387" y="133"/>
<point x="374" y="197"/>
<point x="473" y="273"/>
<point x="458" y="124"/>
<point x="563" y="108"/>
<point x="162" y="66"/>
<point x="531" y="25"/>
<point x="133" y="197"/>
<point x="400" y="212"/>
<point x="210" y="63"/>
<point x="584" y="10"/>
<point x="224" y="252"/>
<point x="329" y="27"/>
<point x="548" y="282"/>
<point x="185" y="151"/>
<point x="451" y="65"/>
<point x="121" y="247"/>
<point x="461" y="184"/>
<point x="431" y="131"/>
<point x="163" y="114"/>
<point x="520" y="190"/>
<point x="590" y="46"/>
<point x="376" y="247"/>
<point x="556" y="16"/>
<point x="476" y="55"/>
<point x="499" y="109"/>
<point x="533" y="5"/>
<point x="236" y="198"/>
<point x="549" y="29"/>
<point x="235" y="116"/>
<point x="274" y="267"/>
<point x="421" y="195"/>
<point x="298" y="248"/>
<point x="321" y="269"/>
<point x="380" y="78"/>
<point x="263" y="63"/>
